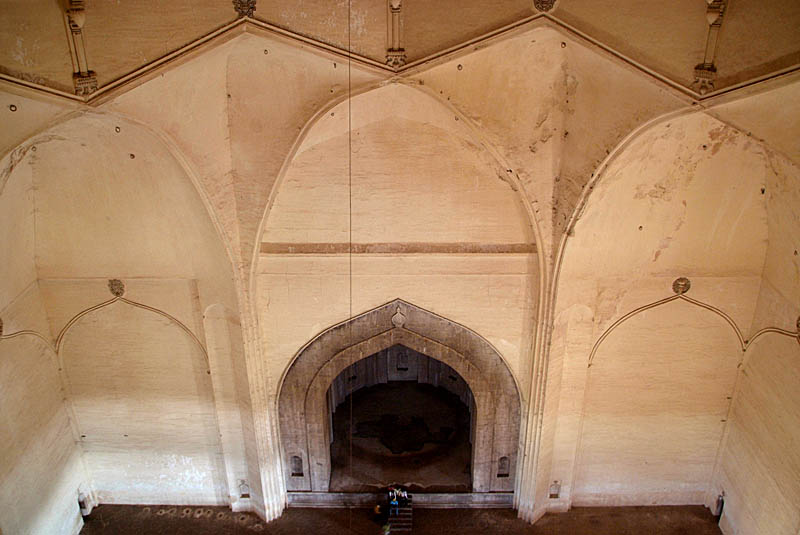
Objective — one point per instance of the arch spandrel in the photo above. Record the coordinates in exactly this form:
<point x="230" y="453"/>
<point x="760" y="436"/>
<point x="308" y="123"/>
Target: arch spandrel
<point x="302" y="396"/>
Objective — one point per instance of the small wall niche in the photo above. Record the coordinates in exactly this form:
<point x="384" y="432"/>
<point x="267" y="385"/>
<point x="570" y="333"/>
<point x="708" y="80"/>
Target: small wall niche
<point x="503" y="466"/>
<point x="296" y="465"/>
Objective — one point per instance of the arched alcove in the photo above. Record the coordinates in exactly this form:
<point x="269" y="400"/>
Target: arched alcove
<point x="656" y="402"/>
<point x="401" y="417"/>
<point x="143" y="404"/>
<point x="303" y="398"/>
<point x="642" y="425"/>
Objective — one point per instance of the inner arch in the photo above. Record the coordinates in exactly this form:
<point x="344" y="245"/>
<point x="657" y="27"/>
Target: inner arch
<point x="400" y="417"/>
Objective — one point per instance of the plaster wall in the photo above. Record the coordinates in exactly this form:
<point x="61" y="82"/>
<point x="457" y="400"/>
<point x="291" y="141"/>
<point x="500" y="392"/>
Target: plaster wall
<point x="655" y="406"/>
<point x="643" y="424"/>
<point x="759" y="471"/>
<point x="431" y="222"/>
<point x="40" y="468"/>
<point x="18" y="269"/>
<point x="137" y="378"/>
<point x="141" y="393"/>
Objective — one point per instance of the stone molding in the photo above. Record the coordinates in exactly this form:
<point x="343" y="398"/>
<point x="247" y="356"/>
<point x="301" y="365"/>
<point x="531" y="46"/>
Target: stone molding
<point x="302" y="396"/>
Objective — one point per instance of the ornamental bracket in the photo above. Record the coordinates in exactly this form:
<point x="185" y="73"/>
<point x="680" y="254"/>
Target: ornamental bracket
<point x="83" y="78"/>
<point x="705" y="73"/>
<point x="244" y="8"/>
<point x="395" y="53"/>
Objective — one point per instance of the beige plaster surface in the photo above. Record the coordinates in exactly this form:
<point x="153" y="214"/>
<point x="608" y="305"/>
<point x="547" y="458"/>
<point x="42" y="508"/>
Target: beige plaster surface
<point x="770" y="116"/>
<point x="148" y="434"/>
<point x="156" y="28"/>
<point x="650" y="407"/>
<point x="24" y="114"/>
<point x="465" y="173"/>
<point x="655" y="404"/>
<point x="670" y="37"/>
<point x="34" y="44"/>
<point x="37" y="441"/>
<point x="759" y="465"/>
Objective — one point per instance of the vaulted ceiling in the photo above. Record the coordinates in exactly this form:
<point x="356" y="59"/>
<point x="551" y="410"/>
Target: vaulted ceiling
<point x="667" y="38"/>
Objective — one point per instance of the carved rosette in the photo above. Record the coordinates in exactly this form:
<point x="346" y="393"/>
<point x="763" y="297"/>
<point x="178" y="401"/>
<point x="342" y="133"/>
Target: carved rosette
<point x="544" y="5"/>
<point x="116" y="287"/>
<point x="681" y="285"/>
<point x="398" y="320"/>
<point x="244" y="8"/>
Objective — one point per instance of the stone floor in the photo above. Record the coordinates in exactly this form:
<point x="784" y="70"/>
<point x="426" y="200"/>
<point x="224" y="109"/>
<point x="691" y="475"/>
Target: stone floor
<point x="140" y="520"/>
<point x="406" y="433"/>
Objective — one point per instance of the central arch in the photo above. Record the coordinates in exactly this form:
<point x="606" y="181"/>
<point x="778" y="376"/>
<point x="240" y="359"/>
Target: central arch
<point x="302" y="399"/>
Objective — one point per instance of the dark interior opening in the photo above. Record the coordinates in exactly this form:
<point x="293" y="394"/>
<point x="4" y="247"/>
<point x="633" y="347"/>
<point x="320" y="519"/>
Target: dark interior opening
<point x="400" y="417"/>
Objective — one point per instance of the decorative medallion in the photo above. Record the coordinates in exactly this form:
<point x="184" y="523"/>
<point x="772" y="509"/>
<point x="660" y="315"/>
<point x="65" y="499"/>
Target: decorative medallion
<point x="544" y="5"/>
<point x="116" y="287"/>
<point x="681" y="285"/>
<point x="398" y="320"/>
<point x="244" y="8"/>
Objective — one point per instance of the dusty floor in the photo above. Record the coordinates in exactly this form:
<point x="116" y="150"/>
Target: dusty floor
<point x="139" y="520"/>
<point x="406" y="433"/>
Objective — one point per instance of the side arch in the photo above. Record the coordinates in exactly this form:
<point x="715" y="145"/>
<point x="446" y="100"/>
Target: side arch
<point x="302" y="392"/>
<point x="141" y="393"/>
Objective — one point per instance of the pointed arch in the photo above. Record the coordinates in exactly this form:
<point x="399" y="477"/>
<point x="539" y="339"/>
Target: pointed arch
<point x="302" y="391"/>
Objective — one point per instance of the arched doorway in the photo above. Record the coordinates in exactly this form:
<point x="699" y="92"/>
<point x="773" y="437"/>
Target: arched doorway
<point x="304" y="405"/>
<point x="400" y="417"/>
